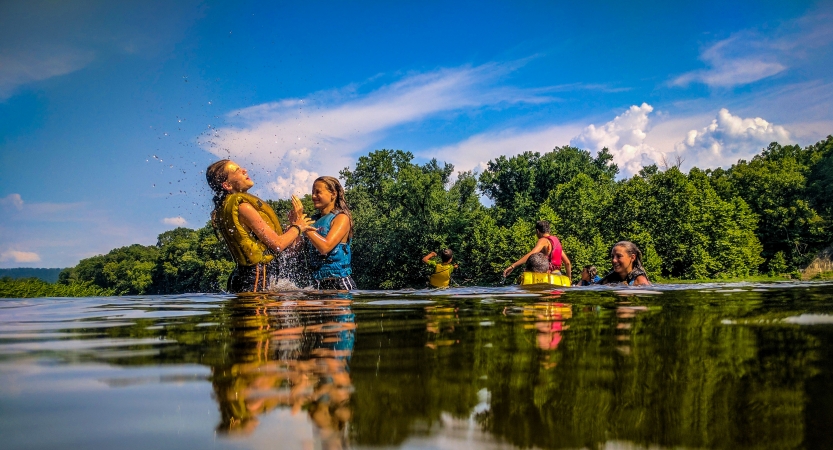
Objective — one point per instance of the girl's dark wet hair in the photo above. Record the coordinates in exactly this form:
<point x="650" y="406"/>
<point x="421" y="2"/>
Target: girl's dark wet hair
<point x="632" y="249"/>
<point x="591" y="270"/>
<point x="542" y="226"/>
<point x="216" y="174"/>
<point x="538" y="263"/>
<point x="340" y="203"/>
<point x="446" y="255"/>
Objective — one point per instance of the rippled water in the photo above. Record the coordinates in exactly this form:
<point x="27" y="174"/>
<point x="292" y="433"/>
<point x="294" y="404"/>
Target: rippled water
<point x="715" y="366"/>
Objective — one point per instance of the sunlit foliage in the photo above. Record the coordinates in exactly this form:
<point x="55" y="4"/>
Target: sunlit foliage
<point x="768" y="215"/>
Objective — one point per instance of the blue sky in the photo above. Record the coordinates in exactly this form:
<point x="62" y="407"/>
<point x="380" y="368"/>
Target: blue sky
<point x="110" y="111"/>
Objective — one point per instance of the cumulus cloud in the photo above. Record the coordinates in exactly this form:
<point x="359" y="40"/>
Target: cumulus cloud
<point x="729" y="138"/>
<point x="297" y="183"/>
<point x="322" y="133"/>
<point x="752" y="55"/>
<point x="177" y="221"/>
<point x="13" y="200"/>
<point x="625" y="137"/>
<point x="19" y="257"/>
<point x="476" y="151"/>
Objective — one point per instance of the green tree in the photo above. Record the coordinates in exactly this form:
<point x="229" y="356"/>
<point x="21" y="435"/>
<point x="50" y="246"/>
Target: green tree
<point x="125" y="271"/>
<point x="774" y="185"/>
<point x="402" y="210"/>
<point x="520" y="184"/>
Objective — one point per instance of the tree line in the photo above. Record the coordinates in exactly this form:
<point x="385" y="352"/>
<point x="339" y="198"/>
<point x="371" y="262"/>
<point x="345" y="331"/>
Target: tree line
<point x="768" y="215"/>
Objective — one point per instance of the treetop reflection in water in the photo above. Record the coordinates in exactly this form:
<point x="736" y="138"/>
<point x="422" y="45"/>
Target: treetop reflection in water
<point x="675" y="366"/>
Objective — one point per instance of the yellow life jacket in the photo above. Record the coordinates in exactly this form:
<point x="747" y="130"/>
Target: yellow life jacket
<point x="245" y="247"/>
<point x="555" y="279"/>
<point x="442" y="275"/>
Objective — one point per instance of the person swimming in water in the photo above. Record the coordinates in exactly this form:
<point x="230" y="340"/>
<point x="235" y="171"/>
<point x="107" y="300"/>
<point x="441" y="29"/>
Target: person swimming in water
<point x="442" y="271"/>
<point x="537" y="271"/>
<point x="249" y="226"/>
<point x="550" y="246"/>
<point x="627" y="266"/>
<point x="589" y="275"/>
<point x="329" y="238"/>
<point x="537" y="263"/>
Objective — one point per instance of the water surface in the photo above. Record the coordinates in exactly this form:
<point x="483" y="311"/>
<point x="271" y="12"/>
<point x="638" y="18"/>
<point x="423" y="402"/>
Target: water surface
<point x="697" y="366"/>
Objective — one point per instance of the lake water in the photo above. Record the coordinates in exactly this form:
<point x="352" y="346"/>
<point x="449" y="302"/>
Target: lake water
<point x="696" y="366"/>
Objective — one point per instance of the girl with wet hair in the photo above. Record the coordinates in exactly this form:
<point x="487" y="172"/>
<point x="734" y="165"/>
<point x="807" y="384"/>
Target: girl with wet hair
<point x="249" y="226"/>
<point x="627" y="266"/>
<point x="589" y="275"/>
<point x="330" y="237"/>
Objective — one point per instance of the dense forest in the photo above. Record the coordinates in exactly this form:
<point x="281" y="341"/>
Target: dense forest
<point x="769" y="215"/>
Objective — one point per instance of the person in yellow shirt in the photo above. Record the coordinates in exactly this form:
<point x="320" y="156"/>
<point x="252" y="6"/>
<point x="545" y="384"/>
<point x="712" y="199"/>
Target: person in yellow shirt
<point x="442" y="270"/>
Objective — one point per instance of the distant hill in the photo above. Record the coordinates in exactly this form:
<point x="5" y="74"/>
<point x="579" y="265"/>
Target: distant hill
<point x="48" y="275"/>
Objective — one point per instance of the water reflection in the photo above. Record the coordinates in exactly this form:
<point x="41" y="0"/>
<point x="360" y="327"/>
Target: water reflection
<point x="473" y="368"/>
<point x="291" y="354"/>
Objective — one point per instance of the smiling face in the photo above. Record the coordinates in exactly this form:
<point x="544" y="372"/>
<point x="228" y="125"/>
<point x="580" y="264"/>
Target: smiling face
<point x="622" y="260"/>
<point x="323" y="199"/>
<point x="237" y="178"/>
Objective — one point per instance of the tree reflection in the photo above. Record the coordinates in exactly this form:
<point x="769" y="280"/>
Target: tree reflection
<point x="287" y="354"/>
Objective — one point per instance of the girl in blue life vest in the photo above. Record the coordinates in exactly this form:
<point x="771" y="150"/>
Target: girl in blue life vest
<point x="328" y="240"/>
<point x="249" y="226"/>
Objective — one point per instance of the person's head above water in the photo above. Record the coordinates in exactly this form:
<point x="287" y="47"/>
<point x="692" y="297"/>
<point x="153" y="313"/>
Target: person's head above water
<point x="542" y="227"/>
<point x="588" y="273"/>
<point x="626" y="257"/>
<point x="225" y="177"/>
<point x="328" y="195"/>
<point x="446" y="255"/>
<point x="538" y="262"/>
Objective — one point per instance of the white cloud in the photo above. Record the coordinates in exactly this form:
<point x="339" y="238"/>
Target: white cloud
<point x="476" y="151"/>
<point x="20" y="68"/>
<point x="297" y="183"/>
<point x="752" y="55"/>
<point x="13" y="200"/>
<point x="177" y="221"/>
<point x="19" y="257"/>
<point x="728" y="71"/>
<point x="62" y="233"/>
<point x="322" y="133"/>
<point x="625" y="137"/>
<point x="729" y="138"/>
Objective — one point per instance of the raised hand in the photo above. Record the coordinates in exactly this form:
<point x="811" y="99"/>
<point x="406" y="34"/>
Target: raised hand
<point x="297" y="209"/>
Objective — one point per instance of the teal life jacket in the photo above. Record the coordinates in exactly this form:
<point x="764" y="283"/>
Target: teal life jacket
<point x="335" y="264"/>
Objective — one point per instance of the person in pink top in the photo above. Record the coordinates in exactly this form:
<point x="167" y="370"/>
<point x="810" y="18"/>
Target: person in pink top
<point x="550" y="246"/>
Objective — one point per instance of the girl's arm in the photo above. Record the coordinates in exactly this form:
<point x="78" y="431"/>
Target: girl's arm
<point x="277" y="243"/>
<point x="338" y="233"/>
<point x="537" y="249"/>
<point x="566" y="261"/>
<point x="428" y="257"/>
